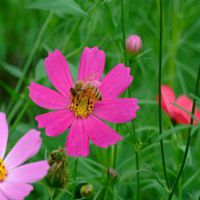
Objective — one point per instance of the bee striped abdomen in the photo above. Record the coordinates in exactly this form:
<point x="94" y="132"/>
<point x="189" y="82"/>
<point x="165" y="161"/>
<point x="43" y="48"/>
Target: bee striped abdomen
<point x="83" y="97"/>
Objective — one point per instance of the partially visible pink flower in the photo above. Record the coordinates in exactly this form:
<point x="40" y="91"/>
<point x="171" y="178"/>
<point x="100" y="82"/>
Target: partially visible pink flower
<point x="171" y="106"/>
<point x="80" y="105"/>
<point x="133" y="44"/>
<point x="16" y="177"/>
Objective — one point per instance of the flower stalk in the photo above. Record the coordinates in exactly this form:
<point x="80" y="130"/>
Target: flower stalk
<point x="132" y="133"/>
<point x="159" y="92"/>
<point x="188" y="139"/>
<point x="123" y="30"/>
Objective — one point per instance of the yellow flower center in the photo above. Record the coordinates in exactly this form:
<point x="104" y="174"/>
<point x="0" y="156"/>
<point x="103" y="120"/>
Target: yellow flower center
<point x="3" y="171"/>
<point x="83" y="97"/>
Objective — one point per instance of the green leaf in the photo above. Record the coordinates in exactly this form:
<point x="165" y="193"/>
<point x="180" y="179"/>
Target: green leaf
<point x="12" y="70"/>
<point x="39" y="70"/>
<point x="60" y="7"/>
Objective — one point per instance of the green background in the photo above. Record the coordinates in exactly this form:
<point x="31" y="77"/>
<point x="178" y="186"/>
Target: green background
<point x="30" y="29"/>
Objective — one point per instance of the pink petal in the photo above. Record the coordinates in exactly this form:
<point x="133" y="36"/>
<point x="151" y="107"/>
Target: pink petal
<point x="181" y="116"/>
<point x="101" y="134"/>
<point x="167" y="98"/>
<point x="3" y="134"/>
<point x="29" y="173"/>
<point x="55" y="122"/>
<point x="77" y="140"/>
<point x="47" y="98"/>
<point x="117" y="110"/>
<point x="14" y="190"/>
<point x="116" y="82"/>
<point x="58" y="72"/>
<point x="25" y="148"/>
<point x="2" y="197"/>
<point x="92" y="64"/>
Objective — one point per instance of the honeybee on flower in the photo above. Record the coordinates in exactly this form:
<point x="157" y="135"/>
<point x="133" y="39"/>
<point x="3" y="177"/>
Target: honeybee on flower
<point x="80" y="105"/>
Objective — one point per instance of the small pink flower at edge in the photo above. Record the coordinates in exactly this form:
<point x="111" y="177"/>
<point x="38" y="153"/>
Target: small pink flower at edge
<point x="169" y="104"/>
<point x="16" y="177"/>
<point x="81" y="105"/>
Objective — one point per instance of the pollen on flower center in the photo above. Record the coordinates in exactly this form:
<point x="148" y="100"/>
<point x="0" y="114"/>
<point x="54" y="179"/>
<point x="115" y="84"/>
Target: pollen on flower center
<point x="3" y="171"/>
<point x="83" y="97"/>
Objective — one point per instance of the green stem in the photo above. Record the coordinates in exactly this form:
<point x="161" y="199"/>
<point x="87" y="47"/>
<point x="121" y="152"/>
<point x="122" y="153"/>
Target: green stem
<point x="106" y="194"/>
<point x="138" y="173"/>
<point x="74" y="176"/>
<point x="114" y="156"/>
<point x="132" y="133"/>
<point x="123" y="31"/>
<point x="30" y="58"/>
<point x="19" y="117"/>
<point x="159" y="96"/>
<point x="180" y="191"/>
<point x="16" y="108"/>
<point x="134" y="138"/>
<point x="188" y="139"/>
<point x="70" y="35"/>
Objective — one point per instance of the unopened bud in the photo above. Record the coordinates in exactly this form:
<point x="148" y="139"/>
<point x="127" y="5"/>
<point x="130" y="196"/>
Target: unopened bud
<point x="86" y="190"/>
<point x="133" y="44"/>
<point x="113" y="175"/>
<point x="57" y="174"/>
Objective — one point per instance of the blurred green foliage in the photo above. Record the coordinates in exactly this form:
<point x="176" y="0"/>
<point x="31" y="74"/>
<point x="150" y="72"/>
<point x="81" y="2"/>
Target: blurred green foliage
<point x="30" y="29"/>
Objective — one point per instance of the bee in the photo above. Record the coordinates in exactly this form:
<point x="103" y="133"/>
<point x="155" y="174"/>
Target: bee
<point x="87" y="89"/>
<point x="92" y="91"/>
<point x="83" y="97"/>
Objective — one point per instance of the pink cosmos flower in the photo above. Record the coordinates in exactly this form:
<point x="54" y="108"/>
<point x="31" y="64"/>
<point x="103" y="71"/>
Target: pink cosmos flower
<point x="169" y="102"/>
<point x="80" y="105"/>
<point x="15" y="177"/>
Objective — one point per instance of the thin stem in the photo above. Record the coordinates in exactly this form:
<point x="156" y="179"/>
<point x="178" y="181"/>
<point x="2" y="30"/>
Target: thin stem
<point x="188" y="139"/>
<point x="74" y="176"/>
<point x="138" y="174"/>
<point x="123" y="31"/>
<point x="70" y="35"/>
<point x="132" y="133"/>
<point x="133" y="138"/>
<point x="159" y="92"/>
<point x="114" y="153"/>
<point x="30" y="58"/>
<point x="19" y="117"/>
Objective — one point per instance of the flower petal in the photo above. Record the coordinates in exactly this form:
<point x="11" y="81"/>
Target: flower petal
<point x="3" y="134"/>
<point x="25" y="148"/>
<point x="47" y="98"/>
<point x="91" y="64"/>
<point x="15" y="191"/>
<point x="58" y="72"/>
<point x="181" y="116"/>
<point x="2" y="197"/>
<point x="167" y="98"/>
<point x="77" y="140"/>
<point x="115" y="82"/>
<point x="116" y="110"/>
<point x="55" y="122"/>
<point x="100" y="133"/>
<point x="29" y="173"/>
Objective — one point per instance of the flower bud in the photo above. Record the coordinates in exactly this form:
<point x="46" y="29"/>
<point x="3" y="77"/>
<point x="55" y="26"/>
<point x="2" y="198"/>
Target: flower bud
<point x="112" y="175"/>
<point x="57" y="174"/>
<point x="86" y="190"/>
<point x="133" y="44"/>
